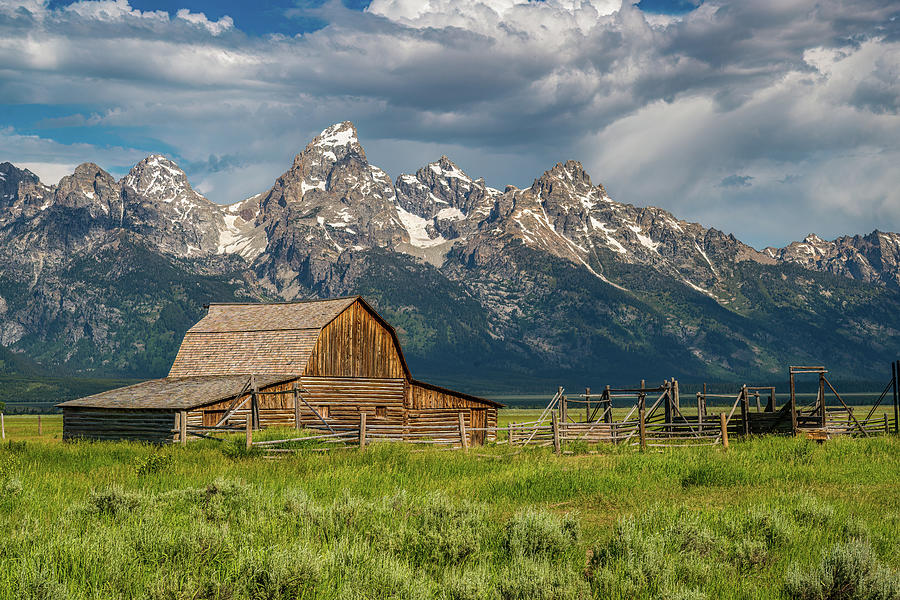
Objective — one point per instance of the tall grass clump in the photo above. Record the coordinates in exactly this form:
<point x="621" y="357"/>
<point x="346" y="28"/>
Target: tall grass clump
<point x="849" y="571"/>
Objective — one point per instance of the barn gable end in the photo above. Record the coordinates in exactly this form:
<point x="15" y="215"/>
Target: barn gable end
<point x="357" y="343"/>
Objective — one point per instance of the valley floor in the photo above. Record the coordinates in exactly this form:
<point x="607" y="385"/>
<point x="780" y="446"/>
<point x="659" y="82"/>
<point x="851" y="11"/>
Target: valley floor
<point x="771" y="518"/>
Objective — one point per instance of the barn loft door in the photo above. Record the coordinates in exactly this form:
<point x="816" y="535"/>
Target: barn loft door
<point x="479" y="422"/>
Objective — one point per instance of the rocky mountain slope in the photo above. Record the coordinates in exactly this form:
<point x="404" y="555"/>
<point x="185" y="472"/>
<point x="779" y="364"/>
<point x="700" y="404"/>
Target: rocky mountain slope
<point x="554" y="281"/>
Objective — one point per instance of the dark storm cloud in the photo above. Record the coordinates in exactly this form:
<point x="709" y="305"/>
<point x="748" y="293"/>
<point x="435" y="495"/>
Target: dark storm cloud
<point x="650" y="103"/>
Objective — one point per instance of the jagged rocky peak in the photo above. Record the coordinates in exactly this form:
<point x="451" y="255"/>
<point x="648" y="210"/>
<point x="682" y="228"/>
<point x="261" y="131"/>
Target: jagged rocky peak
<point x="332" y="145"/>
<point x="93" y="189"/>
<point x="159" y="179"/>
<point x="442" y="191"/>
<point x="10" y="178"/>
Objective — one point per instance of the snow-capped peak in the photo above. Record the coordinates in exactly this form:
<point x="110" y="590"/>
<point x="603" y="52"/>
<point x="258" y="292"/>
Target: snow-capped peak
<point x="339" y="134"/>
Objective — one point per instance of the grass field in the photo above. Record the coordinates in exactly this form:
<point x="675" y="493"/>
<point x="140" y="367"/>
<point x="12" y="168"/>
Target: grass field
<point x="771" y="518"/>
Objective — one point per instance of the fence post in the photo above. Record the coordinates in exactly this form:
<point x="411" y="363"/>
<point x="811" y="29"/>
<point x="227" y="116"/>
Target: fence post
<point x="2" y="427"/>
<point x="587" y="407"/>
<point x="887" y="429"/>
<point x="254" y="402"/>
<point x="895" y="367"/>
<point x="608" y="409"/>
<point x="745" y="409"/>
<point x="248" y="429"/>
<point x="296" y="406"/>
<point x="557" y="447"/>
<point x="463" y="436"/>
<point x="642" y="427"/>
<point x="723" y="423"/>
<point x="509" y="429"/>
<point x="793" y="404"/>
<point x="182" y="427"/>
<point x="822" y="399"/>
<point x="362" y="431"/>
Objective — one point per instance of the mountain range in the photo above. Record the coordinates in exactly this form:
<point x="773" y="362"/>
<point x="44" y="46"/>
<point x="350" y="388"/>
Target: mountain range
<point x="487" y="288"/>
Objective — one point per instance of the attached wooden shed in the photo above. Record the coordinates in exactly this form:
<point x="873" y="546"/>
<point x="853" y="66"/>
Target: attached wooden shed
<point x="340" y="356"/>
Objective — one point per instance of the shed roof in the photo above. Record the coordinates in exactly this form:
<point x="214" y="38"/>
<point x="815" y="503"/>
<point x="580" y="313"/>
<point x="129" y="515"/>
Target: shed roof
<point x="174" y="393"/>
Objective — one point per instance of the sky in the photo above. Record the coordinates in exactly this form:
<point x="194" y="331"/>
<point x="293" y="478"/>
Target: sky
<point x="769" y="119"/>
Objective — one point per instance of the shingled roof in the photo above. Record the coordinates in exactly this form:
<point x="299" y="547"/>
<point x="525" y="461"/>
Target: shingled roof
<point x="174" y="393"/>
<point x="237" y="338"/>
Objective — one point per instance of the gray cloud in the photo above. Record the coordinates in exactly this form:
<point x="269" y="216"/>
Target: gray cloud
<point x="736" y="181"/>
<point x="665" y="110"/>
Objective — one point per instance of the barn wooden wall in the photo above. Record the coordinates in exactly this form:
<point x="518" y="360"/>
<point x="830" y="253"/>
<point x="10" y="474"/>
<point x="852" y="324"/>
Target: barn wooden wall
<point x="344" y="398"/>
<point x="355" y="344"/>
<point x="155" y="426"/>
<point x="439" y="408"/>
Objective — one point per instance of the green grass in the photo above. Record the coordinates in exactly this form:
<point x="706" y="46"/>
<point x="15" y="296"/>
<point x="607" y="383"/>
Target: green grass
<point x="771" y="518"/>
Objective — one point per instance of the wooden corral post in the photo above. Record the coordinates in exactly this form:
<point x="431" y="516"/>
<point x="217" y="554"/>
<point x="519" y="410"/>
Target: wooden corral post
<point x="758" y="405"/>
<point x="793" y="405"/>
<point x="887" y="429"/>
<point x="587" y="406"/>
<point x="254" y="402"/>
<point x="699" y="413"/>
<point x="608" y="409"/>
<point x="557" y="447"/>
<point x="562" y="400"/>
<point x="509" y="437"/>
<point x="723" y="423"/>
<point x="895" y="372"/>
<point x="2" y="427"/>
<point x="770" y="405"/>
<point x="182" y="427"/>
<point x="703" y="405"/>
<point x="362" y="430"/>
<point x="642" y="426"/>
<point x="463" y="436"/>
<point x="822" y="399"/>
<point x="677" y="394"/>
<point x="745" y="409"/>
<point x="40" y="427"/>
<point x="296" y="392"/>
<point x="248" y="430"/>
<point x="670" y="401"/>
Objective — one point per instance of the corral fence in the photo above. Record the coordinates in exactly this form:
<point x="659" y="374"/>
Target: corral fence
<point x="655" y="418"/>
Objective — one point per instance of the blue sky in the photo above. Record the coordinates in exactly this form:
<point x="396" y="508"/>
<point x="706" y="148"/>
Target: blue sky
<point x="770" y="119"/>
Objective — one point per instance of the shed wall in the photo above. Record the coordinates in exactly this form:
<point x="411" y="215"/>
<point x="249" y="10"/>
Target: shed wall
<point x="157" y="426"/>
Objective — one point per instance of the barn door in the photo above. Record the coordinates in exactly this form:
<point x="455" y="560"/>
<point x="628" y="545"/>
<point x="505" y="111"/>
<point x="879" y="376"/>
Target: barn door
<point x="479" y="422"/>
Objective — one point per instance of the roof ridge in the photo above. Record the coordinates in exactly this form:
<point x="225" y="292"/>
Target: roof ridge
<point x="309" y="301"/>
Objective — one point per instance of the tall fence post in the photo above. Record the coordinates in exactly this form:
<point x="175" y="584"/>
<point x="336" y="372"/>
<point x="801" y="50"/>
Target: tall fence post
<point x="509" y="434"/>
<point x="608" y="408"/>
<point x="182" y="427"/>
<point x="642" y="426"/>
<point x="463" y="436"/>
<point x="895" y="372"/>
<point x="745" y="409"/>
<point x="587" y="406"/>
<point x="723" y="423"/>
<point x="887" y="429"/>
<point x="793" y="404"/>
<point x="699" y="413"/>
<point x="2" y="427"/>
<point x="296" y="406"/>
<point x="248" y="430"/>
<point x="822" y="399"/>
<point x="362" y="431"/>
<point x="254" y="402"/>
<point x="557" y="447"/>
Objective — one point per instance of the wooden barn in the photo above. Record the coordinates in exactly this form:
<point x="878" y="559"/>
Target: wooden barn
<point x="311" y="363"/>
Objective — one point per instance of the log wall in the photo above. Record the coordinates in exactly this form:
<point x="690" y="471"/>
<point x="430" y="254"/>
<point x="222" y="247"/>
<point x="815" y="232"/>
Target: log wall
<point x="156" y="426"/>
<point x="356" y="344"/>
